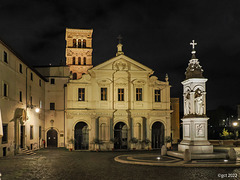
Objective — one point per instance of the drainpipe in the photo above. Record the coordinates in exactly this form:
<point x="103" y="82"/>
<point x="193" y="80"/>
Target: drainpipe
<point x="64" y="86"/>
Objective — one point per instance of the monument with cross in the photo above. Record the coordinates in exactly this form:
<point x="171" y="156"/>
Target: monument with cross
<point x="195" y="126"/>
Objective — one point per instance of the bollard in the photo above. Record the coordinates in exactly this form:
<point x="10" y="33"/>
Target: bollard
<point x="163" y="151"/>
<point x="187" y="155"/>
<point x="232" y="154"/>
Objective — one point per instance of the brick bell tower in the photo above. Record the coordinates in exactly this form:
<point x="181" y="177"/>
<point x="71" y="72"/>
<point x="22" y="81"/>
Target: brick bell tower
<point x="78" y="51"/>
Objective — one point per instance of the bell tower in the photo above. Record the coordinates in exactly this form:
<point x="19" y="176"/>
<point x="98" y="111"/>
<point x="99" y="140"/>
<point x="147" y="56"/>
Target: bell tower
<point x="78" y="51"/>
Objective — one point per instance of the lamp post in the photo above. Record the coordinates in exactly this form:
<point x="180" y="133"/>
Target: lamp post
<point x="235" y="125"/>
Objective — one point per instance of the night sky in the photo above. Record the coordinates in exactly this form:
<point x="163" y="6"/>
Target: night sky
<point x="155" y="33"/>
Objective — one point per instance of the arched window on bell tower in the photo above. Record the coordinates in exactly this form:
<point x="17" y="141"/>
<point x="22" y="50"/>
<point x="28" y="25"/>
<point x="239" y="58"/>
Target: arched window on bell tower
<point x="79" y="60"/>
<point x="84" y="61"/>
<point x="74" y="43"/>
<point x="79" y="43"/>
<point x="84" y="43"/>
<point x="73" y="60"/>
<point x="74" y="75"/>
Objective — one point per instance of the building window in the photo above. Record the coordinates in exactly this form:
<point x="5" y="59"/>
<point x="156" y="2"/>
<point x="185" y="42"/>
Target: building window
<point x="157" y="95"/>
<point x="20" y="68"/>
<point x="20" y="96"/>
<point x="31" y="131"/>
<point x="81" y="94"/>
<point x="120" y="94"/>
<point x="5" y="134"/>
<point x="73" y="60"/>
<point x="5" y="90"/>
<point x="52" y="106"/>
<point x="40" y="82"/>
<point x="74" y="75"/>
<point x="74" y="43"/>
<point x="31" y="101"/>
<point x="84" y="61"/>
<point x="84" y="43"/>
<point x="79" y="43"/>
<point x="5" y="57"/>
<point x="79" y="60"/>
<point x="103" y="94"/>
<point x="52" y="81"/>
<point x="138" y="94"/>
<point x="31" y="75"/>
<point x="40" y="132"/>
<point x="40" y="104"/>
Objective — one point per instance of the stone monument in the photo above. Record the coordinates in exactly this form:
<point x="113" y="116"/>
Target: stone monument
<point x="195" y="126"/>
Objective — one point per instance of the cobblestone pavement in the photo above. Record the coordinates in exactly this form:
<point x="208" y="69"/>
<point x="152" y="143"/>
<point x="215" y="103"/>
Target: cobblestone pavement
<point x="62" y="164"/>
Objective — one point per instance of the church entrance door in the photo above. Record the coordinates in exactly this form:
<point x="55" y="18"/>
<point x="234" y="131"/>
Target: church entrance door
<point x="52" y="138"/>
<point x="120" y="135"/>
<point x="157" y="135"/>
<point x="81" y="136"/>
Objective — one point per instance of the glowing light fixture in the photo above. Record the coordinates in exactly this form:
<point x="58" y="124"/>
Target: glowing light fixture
<point x="37" y="110"/>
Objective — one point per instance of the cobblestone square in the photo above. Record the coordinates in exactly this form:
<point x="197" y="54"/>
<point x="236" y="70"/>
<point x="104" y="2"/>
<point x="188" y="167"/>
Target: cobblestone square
<point x="62" y="164"/>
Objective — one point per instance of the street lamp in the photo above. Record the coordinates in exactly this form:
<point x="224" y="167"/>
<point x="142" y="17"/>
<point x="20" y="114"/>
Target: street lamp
<point x="235" y="125"/>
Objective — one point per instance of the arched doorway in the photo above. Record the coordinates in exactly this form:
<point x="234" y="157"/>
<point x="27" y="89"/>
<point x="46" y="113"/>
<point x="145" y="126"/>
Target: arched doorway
<point x="81" y="136"/>
<point x="120" y="135"/>
<point x="157" y="135"/>
<point x="52" y="138"/>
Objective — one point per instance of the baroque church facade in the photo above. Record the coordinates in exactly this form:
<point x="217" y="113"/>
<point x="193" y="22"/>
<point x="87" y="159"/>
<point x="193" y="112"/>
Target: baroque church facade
<point x="117" y="104"/>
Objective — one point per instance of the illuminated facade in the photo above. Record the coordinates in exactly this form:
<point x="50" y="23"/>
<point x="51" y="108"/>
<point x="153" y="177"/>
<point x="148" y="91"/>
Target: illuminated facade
<point x="117" y="104"/>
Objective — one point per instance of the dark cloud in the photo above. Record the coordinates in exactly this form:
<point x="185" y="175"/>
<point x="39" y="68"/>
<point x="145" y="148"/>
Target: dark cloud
<point x="155" y="33"/>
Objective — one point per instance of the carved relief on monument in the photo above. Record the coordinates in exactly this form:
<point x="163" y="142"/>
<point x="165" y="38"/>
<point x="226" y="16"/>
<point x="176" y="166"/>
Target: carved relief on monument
<point x="198" y="100"/>
<point x="199" y="130"/>
<point x="187" y="104"/>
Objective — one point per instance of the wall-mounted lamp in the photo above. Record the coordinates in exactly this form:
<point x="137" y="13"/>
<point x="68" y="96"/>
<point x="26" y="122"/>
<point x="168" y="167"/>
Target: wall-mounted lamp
<point x="37" y="110"/>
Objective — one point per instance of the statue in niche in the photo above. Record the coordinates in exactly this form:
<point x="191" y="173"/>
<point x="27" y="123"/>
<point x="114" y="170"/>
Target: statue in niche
<point x="200" y="131"/>
<point x="187" y="104"/>
<point x="199" y="102"/>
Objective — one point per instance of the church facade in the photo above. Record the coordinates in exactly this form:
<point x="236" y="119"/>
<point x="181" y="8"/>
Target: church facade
<point x="118" y="104"/>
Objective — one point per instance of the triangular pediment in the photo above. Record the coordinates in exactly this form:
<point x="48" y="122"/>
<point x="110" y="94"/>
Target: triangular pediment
<point x="122" y="62"/>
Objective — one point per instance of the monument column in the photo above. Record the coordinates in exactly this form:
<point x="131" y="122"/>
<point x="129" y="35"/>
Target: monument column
<point x="195" y="124"/>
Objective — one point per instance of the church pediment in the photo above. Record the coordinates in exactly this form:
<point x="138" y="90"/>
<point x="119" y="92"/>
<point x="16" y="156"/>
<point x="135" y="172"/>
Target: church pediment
<point x="122" y="63"/>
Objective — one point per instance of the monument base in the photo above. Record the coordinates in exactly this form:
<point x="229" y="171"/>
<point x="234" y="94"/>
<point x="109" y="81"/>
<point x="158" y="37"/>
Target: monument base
<point x="205" y="149"/>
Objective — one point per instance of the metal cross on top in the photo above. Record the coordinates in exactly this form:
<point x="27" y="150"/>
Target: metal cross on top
<point x="193" y="44"/>
<point x="119" y="39"/>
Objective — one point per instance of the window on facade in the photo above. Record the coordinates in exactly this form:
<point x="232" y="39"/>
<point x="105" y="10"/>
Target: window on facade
<point x="74" y="43"/>
<point x="52" y="81"/>
<point x="84" y="61"/>
<point x="52" y="106"/>
<point x="31" y="101"/>
<point x="120" y="94"/>
<point x="20" y="96"/>
<point x="40" y="82"/>
<point x="5" y="57"/>
<point x="79" y="43"/>
<point x="79" y="60"/>
<point x="31" y="76"/>
<point x="138" y="94"/>
<point x="40" y="104"/>
<point x="20" y="68"/>
<point x="157" y="95"/>
<point x="103" y="94"/>
<point x="40" y="132"/>
<point x="5" y="134"/>
<point x="73" y="60"/>
<point x="81" y="94"/>
<point x="31" y="132"/>
<point x="84" y="43"/>
<point x="74" y="75"/>
<point x="5" y="90"/>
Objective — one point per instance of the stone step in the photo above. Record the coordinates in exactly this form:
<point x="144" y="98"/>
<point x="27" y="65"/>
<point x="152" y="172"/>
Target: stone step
<point x="27" y="152"/>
